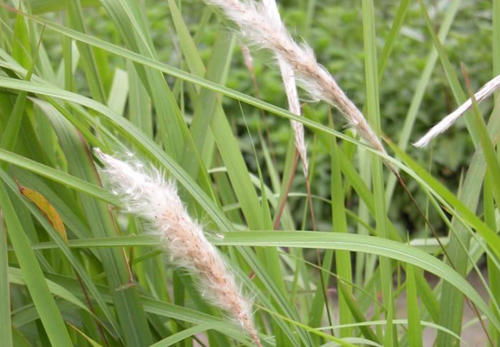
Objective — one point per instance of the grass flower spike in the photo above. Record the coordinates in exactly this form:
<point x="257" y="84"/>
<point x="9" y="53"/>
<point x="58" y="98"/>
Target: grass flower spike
<point x="443" y="125"/>
<point x="147" y="194"/>
<point x="264" y="28"/>
<point x="288" y="77"/>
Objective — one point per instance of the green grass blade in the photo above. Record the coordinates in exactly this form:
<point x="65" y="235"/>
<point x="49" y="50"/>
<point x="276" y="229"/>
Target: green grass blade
<point x="322" y="240"/>
<point x="184" y="334"/>
<point x="339" y="223"/>
<point x="6" y="327"/>
<point x="373" y="106"/>
<point x="188" y="46"/>
<point x="390" y="40"/>
<point x="58" y="176"/>
<point x="43" y="6"/>
<point x="493" y="270"/>
<point x="35" y="280"/>
<point x="488" y="148"/>
<point x="88" y="57"/>
<point x="414" y="325"/>
<point x="139" y="103"/>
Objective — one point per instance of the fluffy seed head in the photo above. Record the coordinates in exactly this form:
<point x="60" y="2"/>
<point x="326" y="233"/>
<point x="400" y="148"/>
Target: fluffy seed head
<point x="263" y="27"/>
<point x="146" y="193"/>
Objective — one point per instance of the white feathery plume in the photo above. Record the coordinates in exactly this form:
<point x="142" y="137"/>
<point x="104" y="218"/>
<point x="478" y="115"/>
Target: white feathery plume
<point x="147" y="194"/>
<point x="260" y="27"/>
<point x="488" y="89"/>
<point x="288" y="77"/>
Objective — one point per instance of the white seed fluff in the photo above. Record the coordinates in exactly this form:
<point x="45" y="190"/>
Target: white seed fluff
<point x="147" y="194"/>
<point x="488" y="89"/>
<point x="262" y="28"/>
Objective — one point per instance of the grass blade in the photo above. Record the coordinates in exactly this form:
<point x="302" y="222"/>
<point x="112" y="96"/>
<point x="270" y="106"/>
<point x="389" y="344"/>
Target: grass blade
<point x="35" y="280"/>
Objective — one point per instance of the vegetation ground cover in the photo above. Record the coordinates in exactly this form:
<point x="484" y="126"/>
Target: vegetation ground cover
<point x="168" y="81"/>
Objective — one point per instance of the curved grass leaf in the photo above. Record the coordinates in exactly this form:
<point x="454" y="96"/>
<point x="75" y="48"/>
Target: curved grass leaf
<point x="322" y="240"/>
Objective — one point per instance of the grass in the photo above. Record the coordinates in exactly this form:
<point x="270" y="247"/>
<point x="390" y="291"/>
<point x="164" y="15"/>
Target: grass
<point x="82" y="74"/>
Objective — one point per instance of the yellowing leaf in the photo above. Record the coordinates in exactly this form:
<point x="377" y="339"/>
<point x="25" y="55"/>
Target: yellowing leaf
<point x="48" y="210"/>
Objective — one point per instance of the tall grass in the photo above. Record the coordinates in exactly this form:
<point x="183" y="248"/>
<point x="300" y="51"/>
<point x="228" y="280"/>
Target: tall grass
<point x="77" y="269"/>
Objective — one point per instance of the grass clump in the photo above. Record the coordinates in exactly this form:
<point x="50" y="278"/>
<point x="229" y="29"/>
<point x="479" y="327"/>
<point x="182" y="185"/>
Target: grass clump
<point x="325" y="256"/>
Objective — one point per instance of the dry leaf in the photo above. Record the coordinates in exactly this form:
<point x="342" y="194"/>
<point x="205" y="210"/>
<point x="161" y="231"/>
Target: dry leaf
<point x="46" y="207"/>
